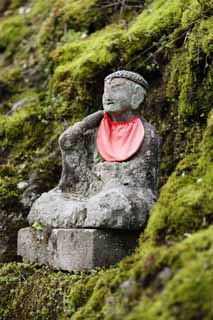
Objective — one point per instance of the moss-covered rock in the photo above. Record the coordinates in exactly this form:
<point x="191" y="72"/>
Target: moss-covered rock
<point x="164" y="282"/>
<point x="12" y="30"/>
<point x="83" y="65"/>
<point x="170" y="283"/>
<point x="12" y="213"/>
<point x="186" y="201"/>
<point x="10" y="81"/>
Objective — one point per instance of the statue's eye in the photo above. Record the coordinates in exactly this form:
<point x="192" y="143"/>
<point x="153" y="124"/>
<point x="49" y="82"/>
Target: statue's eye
<point x="115" y="88"/>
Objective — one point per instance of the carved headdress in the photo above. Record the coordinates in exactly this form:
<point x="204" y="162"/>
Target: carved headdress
<point x="133" y="76"/>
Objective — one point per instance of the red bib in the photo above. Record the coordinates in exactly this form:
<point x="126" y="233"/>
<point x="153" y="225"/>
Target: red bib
<point x="118" y="141"/>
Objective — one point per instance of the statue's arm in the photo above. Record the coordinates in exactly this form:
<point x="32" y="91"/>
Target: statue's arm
<point x="92" y="120"/>
<point x="152" y="153"/>
<point x="72" y="133"/>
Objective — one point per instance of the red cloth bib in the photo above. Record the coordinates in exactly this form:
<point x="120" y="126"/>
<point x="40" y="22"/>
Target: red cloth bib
<point x="118" y="141"/>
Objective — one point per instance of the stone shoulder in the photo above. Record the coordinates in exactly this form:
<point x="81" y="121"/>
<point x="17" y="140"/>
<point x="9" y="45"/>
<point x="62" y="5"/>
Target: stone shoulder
<point x="151" y="138"/>
<point x="148" y="126"/>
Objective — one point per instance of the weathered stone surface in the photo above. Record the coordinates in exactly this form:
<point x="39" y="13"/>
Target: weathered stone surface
<point x="116" y="208"/>
<point x="75" y="249"/>
<point x="32" y="245"/>
<point x="94" y="193"/>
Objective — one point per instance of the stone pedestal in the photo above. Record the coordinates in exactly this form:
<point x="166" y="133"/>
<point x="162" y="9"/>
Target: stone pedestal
<point x="75" y="249"/>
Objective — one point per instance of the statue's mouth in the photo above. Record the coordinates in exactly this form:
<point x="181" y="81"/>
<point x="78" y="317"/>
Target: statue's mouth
<point x="109" y="102"/>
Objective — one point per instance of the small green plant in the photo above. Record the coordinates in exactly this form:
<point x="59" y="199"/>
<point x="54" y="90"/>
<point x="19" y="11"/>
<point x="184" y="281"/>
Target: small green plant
<point x="37" y="226"/>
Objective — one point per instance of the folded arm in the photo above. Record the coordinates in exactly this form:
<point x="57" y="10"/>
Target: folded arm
<point x="73" y="132"/>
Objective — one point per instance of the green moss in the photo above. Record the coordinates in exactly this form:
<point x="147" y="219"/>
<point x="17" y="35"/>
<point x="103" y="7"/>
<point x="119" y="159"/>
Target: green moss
<point x="51" y="30"/>
<point x="40" y="9"/>
<point x="82" y="15"/>
<point x="11" y="211"/>
<point x="159" y="16"/>
<point x="12" y="30"/>
<point x="158" y="19"/>
<point x="22" y="123"/>
<point x="9" y="193"/>
<point x="191" y="72"/>
<point x="165" y="282"/>
<point x="96" y="54"/>
<point x="11" y="275"/>
<point x="48" y="288"/>
<point x="92" y="307"/>
<point x="67" y="21"/>
<point x="185" y="203"/>
<point x="185" y="288"/>
<point x="25" y="285"/>
<point x="10" y="80"/>
<point x="205" y="162"/>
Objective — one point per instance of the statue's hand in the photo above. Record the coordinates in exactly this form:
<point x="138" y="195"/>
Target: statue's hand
<point x="92" y="120"/>
<point x="70" y="135"/>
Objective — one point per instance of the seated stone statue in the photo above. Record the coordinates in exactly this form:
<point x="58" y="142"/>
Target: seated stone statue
<point x="110" y="165"/>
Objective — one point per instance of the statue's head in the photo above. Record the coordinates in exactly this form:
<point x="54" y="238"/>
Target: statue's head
<point x="123" y="90"/>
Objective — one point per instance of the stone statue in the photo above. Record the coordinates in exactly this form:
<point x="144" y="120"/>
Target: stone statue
<point x="110" y="165"/>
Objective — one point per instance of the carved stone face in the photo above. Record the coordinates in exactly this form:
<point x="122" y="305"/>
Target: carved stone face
<point x="122" y="94"/>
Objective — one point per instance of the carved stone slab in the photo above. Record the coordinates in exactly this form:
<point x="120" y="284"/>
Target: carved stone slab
<point x="75" y="249"/>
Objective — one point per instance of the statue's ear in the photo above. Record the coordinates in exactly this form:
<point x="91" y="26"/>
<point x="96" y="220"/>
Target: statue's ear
<point x="138" y="97"/>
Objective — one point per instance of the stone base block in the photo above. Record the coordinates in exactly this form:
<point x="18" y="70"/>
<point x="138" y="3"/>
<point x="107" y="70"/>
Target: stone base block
<point x="75" y="249"/>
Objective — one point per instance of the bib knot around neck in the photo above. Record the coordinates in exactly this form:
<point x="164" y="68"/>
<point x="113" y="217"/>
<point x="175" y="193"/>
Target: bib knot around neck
<point x="118" y="141"/>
